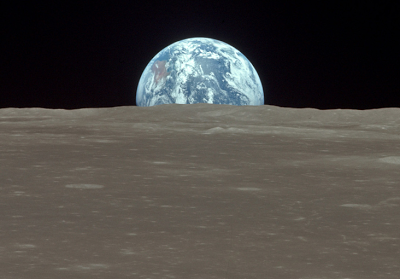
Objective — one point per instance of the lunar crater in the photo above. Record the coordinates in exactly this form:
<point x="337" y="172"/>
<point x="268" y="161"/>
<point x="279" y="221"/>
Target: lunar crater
<point x="84" y="186"/>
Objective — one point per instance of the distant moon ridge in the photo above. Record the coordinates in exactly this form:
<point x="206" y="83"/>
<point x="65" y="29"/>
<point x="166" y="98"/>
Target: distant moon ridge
<point x="199" y="70"/>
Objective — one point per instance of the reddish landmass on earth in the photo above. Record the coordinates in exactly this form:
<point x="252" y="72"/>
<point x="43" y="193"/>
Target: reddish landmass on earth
<point x="159" y="70"/>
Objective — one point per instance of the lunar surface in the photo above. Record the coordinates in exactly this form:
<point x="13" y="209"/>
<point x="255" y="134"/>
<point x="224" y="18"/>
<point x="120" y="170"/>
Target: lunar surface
<point x="199" y="191"/>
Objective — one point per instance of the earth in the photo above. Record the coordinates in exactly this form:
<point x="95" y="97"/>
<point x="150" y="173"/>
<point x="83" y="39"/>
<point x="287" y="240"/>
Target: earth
<point x="199" y="70"/>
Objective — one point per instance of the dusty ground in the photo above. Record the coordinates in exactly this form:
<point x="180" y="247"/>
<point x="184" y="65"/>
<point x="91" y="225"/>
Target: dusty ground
<point x="199" y="191"/>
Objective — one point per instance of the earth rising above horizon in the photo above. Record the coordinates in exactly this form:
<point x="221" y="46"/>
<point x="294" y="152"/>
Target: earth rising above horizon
<point x="199" y="70"/>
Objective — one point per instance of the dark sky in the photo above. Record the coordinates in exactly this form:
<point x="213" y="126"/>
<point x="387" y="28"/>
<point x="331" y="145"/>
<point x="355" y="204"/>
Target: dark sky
<point x="71" y="55"/>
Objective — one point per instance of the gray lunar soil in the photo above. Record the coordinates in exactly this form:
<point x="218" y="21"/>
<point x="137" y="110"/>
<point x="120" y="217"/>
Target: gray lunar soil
<point x="199" y="192"/>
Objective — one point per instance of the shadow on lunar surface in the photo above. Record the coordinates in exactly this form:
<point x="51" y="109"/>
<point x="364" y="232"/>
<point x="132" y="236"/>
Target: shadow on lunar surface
<point x="199" y="191"/>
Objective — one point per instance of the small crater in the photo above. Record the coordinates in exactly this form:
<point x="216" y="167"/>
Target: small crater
<point x="84" y="267"/>
<point x="248" y="189"/>
<point x="26" y="246"/>
<point x="214" y="130"/>
<point x="84" y="186"/>
<point x="391" y="160"/>
<point x="358" y="206"/>
<point x="127" y="252"/>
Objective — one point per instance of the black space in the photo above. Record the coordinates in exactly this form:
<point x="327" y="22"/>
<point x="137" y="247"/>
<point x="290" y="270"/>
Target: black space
<point x="343" y="55"/>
